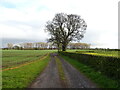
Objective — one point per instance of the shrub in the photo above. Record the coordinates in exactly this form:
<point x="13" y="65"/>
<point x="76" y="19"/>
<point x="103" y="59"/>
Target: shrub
<point x="109" y="66"/>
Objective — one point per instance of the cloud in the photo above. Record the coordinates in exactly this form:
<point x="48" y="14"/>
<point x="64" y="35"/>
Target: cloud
<point x="26" y="19"/>
<point x="23" y="32"/>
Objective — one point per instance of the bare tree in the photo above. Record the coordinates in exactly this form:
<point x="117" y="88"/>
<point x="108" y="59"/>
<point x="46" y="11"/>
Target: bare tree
<point x="78" y="45"/>
<point x="10" y="45"/>
<point x="65" y="28"/>
<point x="43" y="45"/>
<point x="25" y="45"/>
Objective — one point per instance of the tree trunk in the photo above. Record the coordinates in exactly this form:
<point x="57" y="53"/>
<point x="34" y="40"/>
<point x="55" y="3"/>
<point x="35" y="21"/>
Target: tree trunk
<point x="58" y="47"/>
<point x="63" y="47"/>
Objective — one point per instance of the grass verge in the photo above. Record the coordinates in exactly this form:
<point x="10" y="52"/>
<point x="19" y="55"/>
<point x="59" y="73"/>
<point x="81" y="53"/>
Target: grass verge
<point x="61" y="72"/>
<point x="101" y="80"/>
<point x="22" y="77"/>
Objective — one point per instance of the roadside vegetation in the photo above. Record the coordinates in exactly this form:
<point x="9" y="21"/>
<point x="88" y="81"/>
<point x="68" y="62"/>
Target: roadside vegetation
<point x="101" y="80"/>
<point x="21" y="67"/>
<point x="104" y="63"/>
<point x="61" y="72"/>
<point x="60" y="69"/>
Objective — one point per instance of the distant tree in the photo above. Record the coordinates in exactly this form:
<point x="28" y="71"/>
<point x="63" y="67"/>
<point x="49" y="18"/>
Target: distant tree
<point x="65" y="28"/>
<point x="16" y="47"/>
<point x="71" y="45"/>
<point x="41" y="45"/>
<point x="25" y="45"/>
<point x="51" y="46"/>
<point x="37" y="45"/>
<point x="10" y="45"/>
<point x="44" y="45"/>
<point x="30" y="45"/>
<point x="78" y="45"/>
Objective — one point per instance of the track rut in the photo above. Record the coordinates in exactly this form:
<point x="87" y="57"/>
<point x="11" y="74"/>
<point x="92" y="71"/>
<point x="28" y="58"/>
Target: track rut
<point x="50" y="78"/>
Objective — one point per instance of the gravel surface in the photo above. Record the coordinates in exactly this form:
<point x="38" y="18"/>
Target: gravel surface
<point x="49" y="78"/>
<point x="75" y="78"/>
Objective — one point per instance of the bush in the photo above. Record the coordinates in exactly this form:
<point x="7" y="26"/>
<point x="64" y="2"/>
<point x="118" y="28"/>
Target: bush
<point x="109" y="66"/>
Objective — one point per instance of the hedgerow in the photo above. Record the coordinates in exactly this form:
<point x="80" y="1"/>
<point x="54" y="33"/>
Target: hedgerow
<point x="109" y="66"/>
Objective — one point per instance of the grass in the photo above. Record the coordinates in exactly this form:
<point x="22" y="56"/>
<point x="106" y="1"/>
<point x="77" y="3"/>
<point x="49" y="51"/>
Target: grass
<point x="101" y="80"/>
<point x="61" y="72"/>
<point x="60" y="69"/>
<point x="11" y="58"/>
<point x="22" y="77"/>
<point x="98" y="52"/>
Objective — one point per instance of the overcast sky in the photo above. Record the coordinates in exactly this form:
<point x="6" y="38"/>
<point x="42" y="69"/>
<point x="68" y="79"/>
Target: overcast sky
<point x="24" y="20"/>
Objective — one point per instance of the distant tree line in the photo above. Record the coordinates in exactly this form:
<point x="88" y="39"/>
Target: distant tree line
<point x="78" y="46"/>
<point x="45" y="46"/>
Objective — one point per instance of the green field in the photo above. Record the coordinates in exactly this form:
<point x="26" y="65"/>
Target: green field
<point x="22" y="77"/>
<point x="12" y="58"/>
<point x="98" y="52"/>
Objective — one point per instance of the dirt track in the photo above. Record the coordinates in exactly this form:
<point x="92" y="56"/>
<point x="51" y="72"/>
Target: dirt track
<point x="49" y="78"/>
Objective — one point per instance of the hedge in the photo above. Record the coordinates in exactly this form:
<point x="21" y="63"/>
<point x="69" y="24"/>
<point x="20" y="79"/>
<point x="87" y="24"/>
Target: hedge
<point x="109" y="66"/>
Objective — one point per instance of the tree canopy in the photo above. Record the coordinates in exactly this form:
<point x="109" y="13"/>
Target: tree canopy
<point x="65" y="28"/>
